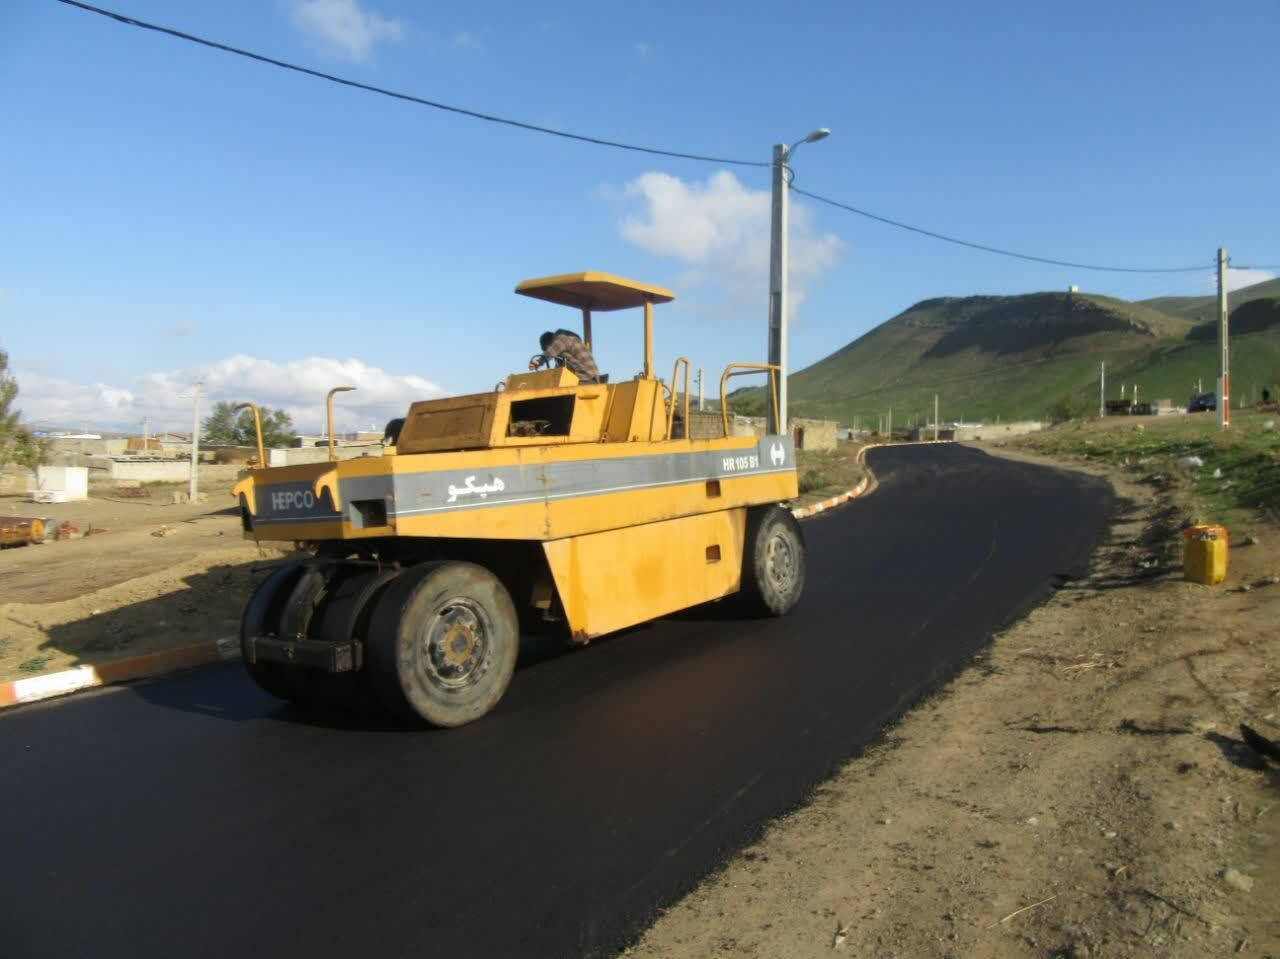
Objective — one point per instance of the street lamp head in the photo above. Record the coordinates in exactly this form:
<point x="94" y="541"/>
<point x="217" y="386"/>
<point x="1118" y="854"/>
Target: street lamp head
<point x="819" y="134"/>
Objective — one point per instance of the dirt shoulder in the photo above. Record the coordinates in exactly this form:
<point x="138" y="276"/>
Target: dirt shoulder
<point x="158" y="575"/>
<point x="1081" y="790"/>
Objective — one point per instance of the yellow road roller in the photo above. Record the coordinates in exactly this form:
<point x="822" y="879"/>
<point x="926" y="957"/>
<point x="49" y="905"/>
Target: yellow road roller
<point x="548" y="503"/>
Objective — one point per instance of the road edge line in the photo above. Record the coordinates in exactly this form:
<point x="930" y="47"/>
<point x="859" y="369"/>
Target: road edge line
<point x="19" y="692"/>
<point x="813" y="509"/>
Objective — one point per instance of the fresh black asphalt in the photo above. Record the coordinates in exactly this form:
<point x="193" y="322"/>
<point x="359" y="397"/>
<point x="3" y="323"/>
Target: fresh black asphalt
<point x="195" y="816"/>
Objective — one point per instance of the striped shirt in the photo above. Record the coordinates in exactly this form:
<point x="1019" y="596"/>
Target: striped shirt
<point x="573" y="353"/>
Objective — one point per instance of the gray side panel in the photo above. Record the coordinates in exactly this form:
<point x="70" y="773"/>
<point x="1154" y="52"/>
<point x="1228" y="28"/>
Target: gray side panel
<point x="416" y="494"/>
<point x="447" y="491"/>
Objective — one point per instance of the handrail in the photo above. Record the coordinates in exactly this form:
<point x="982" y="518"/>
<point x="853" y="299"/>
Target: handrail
<point x="257" y="426"/>
<point x="744" y="369"/>
<point x="328" y="404"/>
<point x="671" y="409"/>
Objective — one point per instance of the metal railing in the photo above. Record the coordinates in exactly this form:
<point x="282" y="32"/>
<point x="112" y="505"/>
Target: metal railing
<point x="675" y="393"/>
<point x="745" y="369"/>
<point x="257" y="426"/>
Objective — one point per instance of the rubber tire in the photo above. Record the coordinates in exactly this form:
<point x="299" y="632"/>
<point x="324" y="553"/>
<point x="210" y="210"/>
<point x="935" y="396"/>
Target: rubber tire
<point x="760" y="593"/>
<point x="336" y="619"/>
<point x="392" y="651"/>
<point x="262" y="616"/>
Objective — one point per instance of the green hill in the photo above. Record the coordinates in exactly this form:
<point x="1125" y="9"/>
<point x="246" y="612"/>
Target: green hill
<point x="1022" y="357"/>
<point x="1205" y="308"/>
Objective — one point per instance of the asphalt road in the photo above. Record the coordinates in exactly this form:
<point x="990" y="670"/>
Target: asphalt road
<point x="195" y="816"/>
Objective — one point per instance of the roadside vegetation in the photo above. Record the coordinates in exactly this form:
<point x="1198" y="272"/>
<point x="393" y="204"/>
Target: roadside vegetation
<point x="225" y="426"/>
<point x="1224" y="472"/>
<point x="826" y="473"/>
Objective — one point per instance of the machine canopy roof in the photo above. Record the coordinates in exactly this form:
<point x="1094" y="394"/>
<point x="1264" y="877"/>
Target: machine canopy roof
<point x="597" y="292"/>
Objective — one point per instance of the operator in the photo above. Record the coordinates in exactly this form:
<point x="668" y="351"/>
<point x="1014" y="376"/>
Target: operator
<point x="565" y="348"/>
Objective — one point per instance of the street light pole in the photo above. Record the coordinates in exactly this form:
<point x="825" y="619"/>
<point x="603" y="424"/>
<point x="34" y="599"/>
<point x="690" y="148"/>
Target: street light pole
<point x="193" y="490"/>
<point x="778" y="273"/>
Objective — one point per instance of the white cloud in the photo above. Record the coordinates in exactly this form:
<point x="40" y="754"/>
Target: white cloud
<point x="466" y="40"/>
<point x="1236" y="279"/>
<point x="720" y="230"/>
<point x="343" y="28"/>
<point x="642" y="49"/>
<point x="298" y="386"/>
<point x="1239" y="279"/>
<point x="5" y="295"/>
<point x="184" y="328"/>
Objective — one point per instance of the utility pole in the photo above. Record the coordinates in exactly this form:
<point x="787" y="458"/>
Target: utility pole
<point x="778" y="284"/>
<point x="1102" y="391"/>
<point x="935" y="417"/>
<point x="195" y="443"/>
<point x="778" y="270"/>
<point x="1224" y="363"/>
<point x="889" y="422"/>
<point x="1135" y="394"/>
<point x="699" y="389"/>
<point x="146" y="436"/>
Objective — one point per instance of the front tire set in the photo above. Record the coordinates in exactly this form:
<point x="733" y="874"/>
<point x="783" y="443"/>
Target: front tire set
<point x="440" y="639"/>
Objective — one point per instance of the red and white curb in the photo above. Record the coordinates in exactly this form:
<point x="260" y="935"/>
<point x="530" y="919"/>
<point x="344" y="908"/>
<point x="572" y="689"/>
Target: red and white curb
<point x="813" y="509"/>
<point x="18" y="691"/>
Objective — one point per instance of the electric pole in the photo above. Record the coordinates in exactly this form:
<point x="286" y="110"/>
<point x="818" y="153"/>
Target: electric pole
<point x="778" y="284"/>
<point x="935" y="417"/>
<point x="1102" y="391"/>
<point x="699" y="389"/>
<point x="778" y="270"/>
<point x="1224" y="362"/>
<point x="195" y="443"/>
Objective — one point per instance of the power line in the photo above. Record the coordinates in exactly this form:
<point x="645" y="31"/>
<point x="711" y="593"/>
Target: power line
<point x="994" y="249"/>
<point x="1252" y="266"/>
<point x="599" y="141"/>
<point x="421" y="101"/>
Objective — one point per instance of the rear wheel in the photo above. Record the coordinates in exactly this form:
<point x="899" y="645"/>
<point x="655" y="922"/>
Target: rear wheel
<point x="442" y="643"/>
<point x="262" y="616"/>
<point x="773" y="561"/>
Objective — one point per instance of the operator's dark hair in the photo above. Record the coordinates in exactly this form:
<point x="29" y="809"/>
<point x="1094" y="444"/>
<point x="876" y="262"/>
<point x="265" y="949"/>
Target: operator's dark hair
<point x="545" y="340"/>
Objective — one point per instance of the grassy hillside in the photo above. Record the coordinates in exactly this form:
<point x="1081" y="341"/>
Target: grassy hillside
<point x="1205" y="308"/>
<point x="1016" y="357"/>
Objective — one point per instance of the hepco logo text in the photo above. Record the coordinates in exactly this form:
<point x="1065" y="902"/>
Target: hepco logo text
<point x="292" y="500"/>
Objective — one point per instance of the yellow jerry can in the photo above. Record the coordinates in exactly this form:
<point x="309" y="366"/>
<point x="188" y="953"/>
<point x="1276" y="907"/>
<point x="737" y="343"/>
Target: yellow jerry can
<point x="1204" y="554"/>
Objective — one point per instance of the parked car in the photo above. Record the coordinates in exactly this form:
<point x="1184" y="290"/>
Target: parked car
<point x="1202" y="402"/>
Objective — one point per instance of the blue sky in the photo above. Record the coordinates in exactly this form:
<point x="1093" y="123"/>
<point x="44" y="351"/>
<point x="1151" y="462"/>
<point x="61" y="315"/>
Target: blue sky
<point x="169" y="213"/>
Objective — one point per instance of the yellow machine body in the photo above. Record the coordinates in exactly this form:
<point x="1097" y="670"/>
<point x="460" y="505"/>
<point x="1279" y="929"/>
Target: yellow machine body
<point x="634" y="519"/>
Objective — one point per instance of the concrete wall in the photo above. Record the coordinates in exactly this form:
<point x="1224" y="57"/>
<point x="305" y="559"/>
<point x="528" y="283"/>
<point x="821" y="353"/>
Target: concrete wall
<point x="71" y="480"/>
<point x="318" y="454"/>
<point x="91" y="447"/>
<point x="991" y="431"/>
<point x="818" y="434"/>
<point x="708" y="425"/>
<point x="149" y="470"/>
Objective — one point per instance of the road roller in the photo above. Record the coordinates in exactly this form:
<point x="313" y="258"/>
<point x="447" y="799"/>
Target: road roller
<point x="548" y="504"/>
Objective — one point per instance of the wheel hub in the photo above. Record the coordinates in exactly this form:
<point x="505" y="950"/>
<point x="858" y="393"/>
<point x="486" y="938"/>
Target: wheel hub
<point x="780" y="562"/>
<point x="457" y="645"/>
